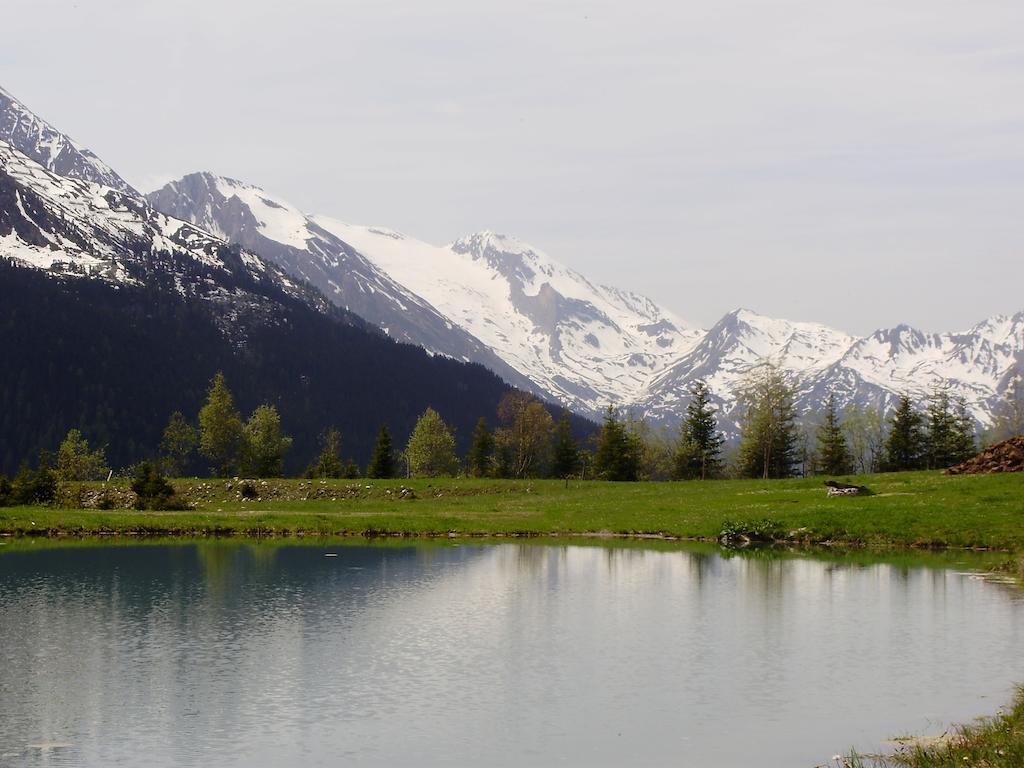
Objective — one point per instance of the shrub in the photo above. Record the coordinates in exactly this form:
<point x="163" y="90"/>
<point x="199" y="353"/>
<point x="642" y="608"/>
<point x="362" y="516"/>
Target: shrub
<point x="153" y="490"/>
<point x="34" y="487"/>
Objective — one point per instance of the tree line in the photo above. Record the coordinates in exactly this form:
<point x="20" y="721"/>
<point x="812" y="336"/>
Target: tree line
<point x="527" y="442"/>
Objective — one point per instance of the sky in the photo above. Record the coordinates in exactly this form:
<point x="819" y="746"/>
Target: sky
<point x="859" y="164"/>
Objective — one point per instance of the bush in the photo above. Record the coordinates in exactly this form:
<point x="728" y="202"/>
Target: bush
<point x="153" y="490"/>
<point x="5" y="491"/>
<point x="34" y="487"/>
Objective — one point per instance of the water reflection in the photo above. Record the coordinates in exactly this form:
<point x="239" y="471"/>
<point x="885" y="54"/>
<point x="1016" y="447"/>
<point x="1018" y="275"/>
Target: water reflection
<point x="227" y="653"/>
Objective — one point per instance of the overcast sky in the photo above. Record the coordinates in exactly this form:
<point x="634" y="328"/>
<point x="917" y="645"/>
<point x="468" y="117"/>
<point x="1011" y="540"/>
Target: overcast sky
<point x="859" y="163"/>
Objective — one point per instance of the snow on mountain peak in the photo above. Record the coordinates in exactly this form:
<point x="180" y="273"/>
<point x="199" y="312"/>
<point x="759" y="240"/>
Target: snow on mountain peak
<point x="34" y="137"/>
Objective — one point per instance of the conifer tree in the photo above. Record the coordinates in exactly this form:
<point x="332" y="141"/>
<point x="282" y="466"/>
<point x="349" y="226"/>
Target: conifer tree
<point x="221" y="431"/>
<point x="565" y="456"/>
<point x="34" y="487"/>
<point x="152" y="491"/>
<point x="178" y="445"/>
<point x="833" y="453"/>
<point x="905" y="447"/>
<point x="382" y="463"/>
<point x="770" y="440"/>
<point x="431" y="448"/>
<point x="618" y="452"/>
<point x="700" y="444"/>
<point x="481" y="451"/>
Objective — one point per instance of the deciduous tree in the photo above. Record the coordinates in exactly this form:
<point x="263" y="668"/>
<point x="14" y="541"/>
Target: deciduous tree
<point x="76" y="462"/>
<point x="264" y="444"/>
<point x="328" y="463"/>
<point x="221" y="432"/>
<point x="431" y="448"/>
<point x="178" y="445"/>
<point x="525" y="433"/>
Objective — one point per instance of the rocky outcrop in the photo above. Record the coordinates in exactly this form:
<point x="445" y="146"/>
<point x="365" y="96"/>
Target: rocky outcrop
<point x="1007" y="456"/>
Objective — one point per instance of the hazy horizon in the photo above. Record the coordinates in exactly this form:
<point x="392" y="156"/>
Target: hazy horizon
<point x="854" y="166"/>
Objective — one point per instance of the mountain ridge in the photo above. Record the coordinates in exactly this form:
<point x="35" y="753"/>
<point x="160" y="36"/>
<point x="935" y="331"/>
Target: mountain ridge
<point x="496" y="300"/>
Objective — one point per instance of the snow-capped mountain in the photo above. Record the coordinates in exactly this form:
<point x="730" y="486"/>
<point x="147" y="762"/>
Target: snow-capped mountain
<point x="118" y="314"/>
<point x="977" y="364"/>
<point x="43" y="143"/>
<point x="279" y="232"/>
<point x="76" y="228"/>
<point x="486" y="298"/>
<point x="586" y="344"/>
<point x="583" y="344"/>
<point x="728" y="351"/>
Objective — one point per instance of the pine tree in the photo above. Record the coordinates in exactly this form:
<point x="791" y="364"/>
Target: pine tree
<point x="833" y="453"/>
<point x="905" y="446"/>
<point x="328" y="463"/>
<point x="770" y="439"/>
<point x="178" y="444"/>
<point x="221" y="431"/>
<point x="481" y="451"/>
<point x="382" y="463"/>
<point x="565" y="457"/>
<point x="264" y="445"/>
<point x="700" y="444"/>
<point x="35" y="487"/>
<point x="431" y="448"/>
<point x="152" y="491"/>
<point x="618" y="452"/>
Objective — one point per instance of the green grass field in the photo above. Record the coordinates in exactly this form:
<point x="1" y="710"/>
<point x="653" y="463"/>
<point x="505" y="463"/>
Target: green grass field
<point x="924" y="509"/>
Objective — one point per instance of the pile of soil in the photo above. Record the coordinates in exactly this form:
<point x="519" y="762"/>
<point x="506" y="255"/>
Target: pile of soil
<point x="1007" y="456"/>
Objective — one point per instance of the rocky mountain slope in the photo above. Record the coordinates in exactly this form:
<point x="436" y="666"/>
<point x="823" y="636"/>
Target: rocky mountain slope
<point x="56" y="152"/>
<point x="280" y="233"/>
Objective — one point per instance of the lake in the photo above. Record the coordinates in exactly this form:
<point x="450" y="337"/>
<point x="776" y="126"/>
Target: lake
<point x="517" y="654"/>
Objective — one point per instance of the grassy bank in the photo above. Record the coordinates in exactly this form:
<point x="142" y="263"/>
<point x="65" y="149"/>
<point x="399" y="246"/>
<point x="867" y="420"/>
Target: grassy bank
<point x="908" y="509"/>
<point x="995" y="741"/>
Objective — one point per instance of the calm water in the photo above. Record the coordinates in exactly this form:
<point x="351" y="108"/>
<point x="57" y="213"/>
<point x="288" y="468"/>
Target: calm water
<point x="234" y="654"/>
